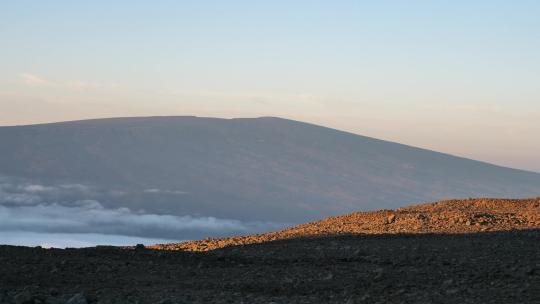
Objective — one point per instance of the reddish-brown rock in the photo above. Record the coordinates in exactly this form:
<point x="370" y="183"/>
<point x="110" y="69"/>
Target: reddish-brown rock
<point x="453" y="216"/>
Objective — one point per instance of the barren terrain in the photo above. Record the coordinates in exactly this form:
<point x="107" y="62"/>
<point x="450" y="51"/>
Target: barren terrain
<point x="471" y="251"/>
<point x="454" y="216"/>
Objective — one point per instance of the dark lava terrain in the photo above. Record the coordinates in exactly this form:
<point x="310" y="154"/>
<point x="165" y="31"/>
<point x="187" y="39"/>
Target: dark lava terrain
<point x="463" y="264"/>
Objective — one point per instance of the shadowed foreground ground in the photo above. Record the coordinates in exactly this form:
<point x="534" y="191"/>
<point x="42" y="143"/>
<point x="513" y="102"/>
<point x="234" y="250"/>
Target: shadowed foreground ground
<point x="461" y="251"/>
<point x="489" y="267"/>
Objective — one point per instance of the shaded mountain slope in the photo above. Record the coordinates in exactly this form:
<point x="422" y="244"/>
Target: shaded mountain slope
<point x="455" y="216"/>
<point x="265" y="169"/>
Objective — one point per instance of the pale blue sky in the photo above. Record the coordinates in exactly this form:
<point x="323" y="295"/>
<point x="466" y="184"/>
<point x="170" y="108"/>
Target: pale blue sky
<point x="461" y="77"/>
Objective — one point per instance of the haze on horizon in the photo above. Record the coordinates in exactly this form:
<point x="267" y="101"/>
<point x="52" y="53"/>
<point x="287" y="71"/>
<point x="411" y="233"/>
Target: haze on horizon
<point x="459" y="77"/>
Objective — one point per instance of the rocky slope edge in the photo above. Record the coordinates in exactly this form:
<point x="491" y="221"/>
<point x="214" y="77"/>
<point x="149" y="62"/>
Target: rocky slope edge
<point x="452" y="216"/>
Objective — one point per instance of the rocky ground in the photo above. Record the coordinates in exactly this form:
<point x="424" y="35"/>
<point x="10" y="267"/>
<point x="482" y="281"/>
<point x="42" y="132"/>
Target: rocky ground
<point x="438" y="253"/>
<point x="454" y="216"/>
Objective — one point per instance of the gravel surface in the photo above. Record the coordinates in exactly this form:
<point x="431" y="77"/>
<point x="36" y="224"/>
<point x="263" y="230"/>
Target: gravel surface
<point x="463" y="267"/>
<point x="454" y="216"/>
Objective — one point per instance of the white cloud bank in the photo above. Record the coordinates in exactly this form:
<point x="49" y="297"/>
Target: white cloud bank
<point x="34" y="208"/>
<point x="90" y="217"/>
<point x="73" y="240"/>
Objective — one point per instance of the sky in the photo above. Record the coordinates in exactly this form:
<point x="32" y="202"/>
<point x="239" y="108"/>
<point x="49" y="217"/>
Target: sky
<point x="461" y="77"/>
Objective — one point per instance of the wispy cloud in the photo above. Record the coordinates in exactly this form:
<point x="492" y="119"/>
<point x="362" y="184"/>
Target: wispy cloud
<point x="161" y="191"/>
<point x="34" y="80"/>
<point x="36" y="188"/>
<point x="18" y="192"/>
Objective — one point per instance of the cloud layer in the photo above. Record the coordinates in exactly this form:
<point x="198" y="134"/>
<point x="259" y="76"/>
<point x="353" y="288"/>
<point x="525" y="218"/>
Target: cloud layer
<point x="63" y="240"/>
<point x="90" y="217"/>
<point x="69" y="208"/>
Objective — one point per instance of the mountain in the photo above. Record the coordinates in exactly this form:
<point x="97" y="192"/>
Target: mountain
<point x="260" y="171"/>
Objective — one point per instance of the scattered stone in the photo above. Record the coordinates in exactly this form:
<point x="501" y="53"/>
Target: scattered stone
<point x="79" y="298"/>
<point x="447" y="283"/>
<point x="452" y="291"/>
<point x="378" y="273"/>
<point x="328" y="277"/>
<point x="103" y="268"/>
<point x="23" y="297"/>
<point x="438" y="217"/>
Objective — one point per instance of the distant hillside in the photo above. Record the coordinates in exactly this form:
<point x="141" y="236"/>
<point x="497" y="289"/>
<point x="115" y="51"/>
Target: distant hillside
<point x="260" y="169"/>
<point x="456" y="216"/>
